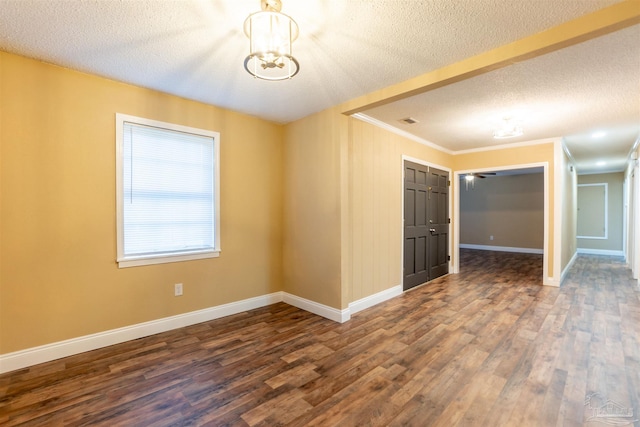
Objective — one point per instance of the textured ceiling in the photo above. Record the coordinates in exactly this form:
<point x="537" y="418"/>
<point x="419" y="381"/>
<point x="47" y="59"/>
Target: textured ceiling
<point x="572" y="93"/>
<point x="346" y="48"/>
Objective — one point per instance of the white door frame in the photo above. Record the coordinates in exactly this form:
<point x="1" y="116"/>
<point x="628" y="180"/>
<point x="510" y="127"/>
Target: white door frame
<point x="547" y="280"/>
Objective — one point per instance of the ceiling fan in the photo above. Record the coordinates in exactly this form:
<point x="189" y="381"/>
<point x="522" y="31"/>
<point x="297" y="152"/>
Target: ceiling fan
<point x="469" y="178"/>
<point x="472" y="175"/>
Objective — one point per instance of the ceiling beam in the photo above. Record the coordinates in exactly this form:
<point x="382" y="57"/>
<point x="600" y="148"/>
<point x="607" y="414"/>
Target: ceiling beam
<point x="587" y="27"/>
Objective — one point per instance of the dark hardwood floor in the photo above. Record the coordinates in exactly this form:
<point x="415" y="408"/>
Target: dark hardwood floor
<point x="487" y="347"/>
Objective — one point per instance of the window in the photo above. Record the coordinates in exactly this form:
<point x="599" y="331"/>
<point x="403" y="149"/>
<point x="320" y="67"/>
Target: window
<point x="168" y="197"/>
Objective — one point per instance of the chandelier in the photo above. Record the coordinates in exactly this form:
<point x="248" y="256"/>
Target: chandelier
<point x="271" y="34"/>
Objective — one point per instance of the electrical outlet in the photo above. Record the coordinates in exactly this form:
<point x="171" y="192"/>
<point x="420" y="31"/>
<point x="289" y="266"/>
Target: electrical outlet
<point x="490" y="237"/>
<point x="177" y="288"/>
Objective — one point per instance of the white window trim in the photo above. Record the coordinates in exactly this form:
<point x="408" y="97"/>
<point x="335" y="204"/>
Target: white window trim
<point x="133" y="261"/>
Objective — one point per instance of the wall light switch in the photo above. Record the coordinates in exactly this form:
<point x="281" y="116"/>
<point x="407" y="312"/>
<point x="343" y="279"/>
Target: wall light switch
<point x="178" y="289"/>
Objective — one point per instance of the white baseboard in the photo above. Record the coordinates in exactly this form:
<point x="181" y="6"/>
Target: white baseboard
<point x="600" y="252"/>
<point x="45" y="353"/>
<point x="330" y="313"/>
<point x="568" y="267"/>
<point x="502" y="249"/>
<point x="374" y="299"/>
<point x="550" y="281"/>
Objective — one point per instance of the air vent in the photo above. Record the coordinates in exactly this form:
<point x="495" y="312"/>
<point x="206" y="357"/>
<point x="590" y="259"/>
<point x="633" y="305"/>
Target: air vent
<point x="409" y="120"/>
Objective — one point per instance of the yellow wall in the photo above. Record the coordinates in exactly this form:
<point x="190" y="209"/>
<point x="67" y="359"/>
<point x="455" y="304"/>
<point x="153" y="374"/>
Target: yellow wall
<point x="375" y="205"/>
<point x="59" y="278"/>
<point x="343" y="199"/>
<point x="336" y="258"/>
<point x="312" y="208"/>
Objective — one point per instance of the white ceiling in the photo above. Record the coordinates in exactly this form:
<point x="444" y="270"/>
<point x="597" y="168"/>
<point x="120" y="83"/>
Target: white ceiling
<point x="347" y="48"/>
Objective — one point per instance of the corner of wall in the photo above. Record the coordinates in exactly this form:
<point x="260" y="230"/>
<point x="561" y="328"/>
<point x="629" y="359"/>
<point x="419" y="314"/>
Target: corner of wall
<point x="313" y="213"/>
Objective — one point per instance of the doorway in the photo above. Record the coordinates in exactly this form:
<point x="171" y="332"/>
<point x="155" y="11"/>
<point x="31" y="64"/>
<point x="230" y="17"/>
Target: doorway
<point x="460" y="186"/>
<point x="426" y="224"/>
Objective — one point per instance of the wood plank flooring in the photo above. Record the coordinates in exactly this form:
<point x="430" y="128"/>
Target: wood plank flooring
<point x="487" y="347"/>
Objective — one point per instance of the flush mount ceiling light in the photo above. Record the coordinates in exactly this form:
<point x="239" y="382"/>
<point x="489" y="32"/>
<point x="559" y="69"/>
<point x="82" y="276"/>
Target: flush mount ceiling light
<point x="509" y="129"/>
<point x="271" y="34"/>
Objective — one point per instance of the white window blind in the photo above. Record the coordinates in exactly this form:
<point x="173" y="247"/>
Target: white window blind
<point x="168" y="197"/>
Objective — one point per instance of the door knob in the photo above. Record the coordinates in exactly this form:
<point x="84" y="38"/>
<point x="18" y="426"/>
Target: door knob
<point x="433" y="230"/>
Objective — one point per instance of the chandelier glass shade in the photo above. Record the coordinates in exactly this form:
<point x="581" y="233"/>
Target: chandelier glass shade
<point x="271" y="35"/>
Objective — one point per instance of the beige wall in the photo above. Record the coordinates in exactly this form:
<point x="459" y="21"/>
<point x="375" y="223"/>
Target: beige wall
<point x="510" y="208"/>
<point x="615" y="207"/>
<point x="633" y="213"/>
<point x="59" y="278"/>
<point x="569" y="209"/>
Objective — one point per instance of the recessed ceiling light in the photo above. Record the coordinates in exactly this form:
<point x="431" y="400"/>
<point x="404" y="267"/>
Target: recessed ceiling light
<point x="599" y="134"/>
<point x="601" y="163"/>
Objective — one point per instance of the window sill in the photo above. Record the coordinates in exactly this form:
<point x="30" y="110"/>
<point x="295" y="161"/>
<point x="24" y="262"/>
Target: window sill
<point x="165" y="258"/>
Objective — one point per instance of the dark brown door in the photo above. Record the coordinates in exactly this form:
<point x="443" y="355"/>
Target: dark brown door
<point x="416" y="231"/>
<point x="426" y="224"/>
<point x="438" y="219"/>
